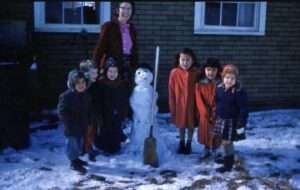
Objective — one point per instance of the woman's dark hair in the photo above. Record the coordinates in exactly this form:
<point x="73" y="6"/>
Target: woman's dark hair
<point x="132" y="8"/>
<point x="189" y="52"/>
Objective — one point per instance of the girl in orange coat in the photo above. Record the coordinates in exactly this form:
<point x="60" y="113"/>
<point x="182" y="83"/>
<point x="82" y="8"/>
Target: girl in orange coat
<point x="182" y="81"/>
<point x="205" y="102"/>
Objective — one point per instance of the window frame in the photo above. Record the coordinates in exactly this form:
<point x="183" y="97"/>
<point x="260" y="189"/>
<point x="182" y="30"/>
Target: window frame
<point x="41" y="26"/>
<point x="257" y="30"/>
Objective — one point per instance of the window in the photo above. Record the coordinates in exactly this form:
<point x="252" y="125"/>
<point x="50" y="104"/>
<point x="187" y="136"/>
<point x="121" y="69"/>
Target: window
<point x="70" y="16"/>
<point x="233" y="18"/>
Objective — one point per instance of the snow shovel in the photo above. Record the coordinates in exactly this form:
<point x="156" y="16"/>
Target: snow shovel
<point x="150" y="152"/>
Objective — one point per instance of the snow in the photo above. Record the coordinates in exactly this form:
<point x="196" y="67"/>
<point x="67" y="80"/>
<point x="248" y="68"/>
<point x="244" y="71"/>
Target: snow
<point x="269" y="159"/>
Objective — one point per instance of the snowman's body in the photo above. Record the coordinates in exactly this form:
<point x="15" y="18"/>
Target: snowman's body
<point x="141" y="104"/>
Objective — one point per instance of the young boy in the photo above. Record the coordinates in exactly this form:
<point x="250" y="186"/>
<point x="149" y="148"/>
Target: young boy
<point x="74" y="110"/>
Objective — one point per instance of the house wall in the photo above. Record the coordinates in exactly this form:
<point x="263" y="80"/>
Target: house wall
<point x="269" y="65"/>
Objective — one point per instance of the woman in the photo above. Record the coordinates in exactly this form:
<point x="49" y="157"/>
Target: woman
<point x="118" y="40"/>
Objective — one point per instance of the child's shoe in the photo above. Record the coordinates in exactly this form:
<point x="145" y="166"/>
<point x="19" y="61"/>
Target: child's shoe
<point x="228" y="164"/>
<point x="81" y="162"/>
<point x="206" y="154"/>
<point x="188" y="148"/>
<point x="77" y="167"/>
<point x="181" y="148"/>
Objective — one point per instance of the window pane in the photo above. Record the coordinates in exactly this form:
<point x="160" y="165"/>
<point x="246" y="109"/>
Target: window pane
<point x="72" y="12"/>
<point x="212" y="13"/>
<point x="91" y="12"/>
<point x="53" y="12"/>
<point x="229" y="14"/>
<point x="246" y="14"/>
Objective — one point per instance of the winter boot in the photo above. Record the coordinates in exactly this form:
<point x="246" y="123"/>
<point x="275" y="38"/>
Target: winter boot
<point x="77" y="167"/>
<point x="206" y="154"/>
<point x="188" y="148"/>
<point x="228" y="164"/>
<point x="92" y="157"/>
<point x="219" y="159"/>
<point x="81" y="162"/>
<point x="181" y="147"/>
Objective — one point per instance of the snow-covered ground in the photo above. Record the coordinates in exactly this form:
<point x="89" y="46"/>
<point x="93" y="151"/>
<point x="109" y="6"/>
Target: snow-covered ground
<point x="268" y="159"/>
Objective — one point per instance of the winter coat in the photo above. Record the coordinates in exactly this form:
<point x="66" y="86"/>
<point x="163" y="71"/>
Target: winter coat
<point x="74" y="110"/>
<point x="182" y="96"/>
<point x="115" y="109"/>
<point x="232" y="103"/>
<point x="95" y="91"/>
<point x="206" y="106"/>
<point x="110" y="44"/>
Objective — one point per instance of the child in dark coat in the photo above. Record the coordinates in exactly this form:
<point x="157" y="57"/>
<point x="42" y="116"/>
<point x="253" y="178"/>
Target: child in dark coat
<point x="74" y="110"/>
<point x="115" y="94"/>
<point x="231" y="114"/>
<point x="94" y="90"/>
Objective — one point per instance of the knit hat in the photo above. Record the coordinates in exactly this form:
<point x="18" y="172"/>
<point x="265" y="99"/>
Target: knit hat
<point x="73" y="76"/>
<point x="230" y="68"/>
<point x="110" y="61"/>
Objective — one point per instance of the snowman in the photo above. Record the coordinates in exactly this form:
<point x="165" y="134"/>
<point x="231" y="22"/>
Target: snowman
<point x="141" y="104"/>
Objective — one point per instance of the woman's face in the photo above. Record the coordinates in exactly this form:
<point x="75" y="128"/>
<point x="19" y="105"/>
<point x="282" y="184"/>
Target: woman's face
<point x="229" y="80"/>
<point x="112" y="73"/>
<point x="125" y="11"/>
<point x="185" y="61"/>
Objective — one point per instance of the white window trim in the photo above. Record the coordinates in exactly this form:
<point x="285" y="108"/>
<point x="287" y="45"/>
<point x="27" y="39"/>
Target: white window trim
<point x="41" y="26"/>
<point x="201" y="28"/>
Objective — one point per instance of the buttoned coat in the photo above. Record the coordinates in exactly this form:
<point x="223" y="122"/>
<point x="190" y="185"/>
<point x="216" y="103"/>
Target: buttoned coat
<point x="182" y="96"/>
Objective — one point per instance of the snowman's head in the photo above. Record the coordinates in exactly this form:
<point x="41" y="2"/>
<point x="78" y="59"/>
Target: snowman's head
<point x="143" y="76"/>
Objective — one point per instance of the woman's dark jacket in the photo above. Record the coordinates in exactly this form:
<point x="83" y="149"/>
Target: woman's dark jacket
<point x="109" y="44"/>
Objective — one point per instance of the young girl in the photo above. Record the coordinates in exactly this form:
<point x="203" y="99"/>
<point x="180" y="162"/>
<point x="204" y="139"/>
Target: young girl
<point x="181" y="97"/>
<point x="115" y="93"/>
<point x="205" y="101"/>
<point x="231" y="113"/>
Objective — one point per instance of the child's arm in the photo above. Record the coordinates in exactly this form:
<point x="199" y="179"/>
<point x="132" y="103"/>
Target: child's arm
<point x="63" y="108"/>
<point x="242" y="102"/>
<point x="201" y="106"/>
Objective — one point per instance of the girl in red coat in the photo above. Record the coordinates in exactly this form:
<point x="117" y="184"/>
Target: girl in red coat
<point x="205" y="101"/>
<point x="182" y="81"/>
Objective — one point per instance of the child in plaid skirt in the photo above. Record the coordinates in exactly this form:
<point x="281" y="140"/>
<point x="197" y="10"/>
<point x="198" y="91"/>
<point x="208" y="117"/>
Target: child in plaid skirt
<point x="231" y="114"/>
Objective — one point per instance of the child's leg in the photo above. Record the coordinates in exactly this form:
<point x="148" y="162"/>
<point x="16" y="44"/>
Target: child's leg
<point x="190" y="135"/>
<point x="228" y="157"/>
<point x="181" y="146"/>
<point x="182" y="134"/>
<point x="73" y="147"/>
<point x="188" y="148"/>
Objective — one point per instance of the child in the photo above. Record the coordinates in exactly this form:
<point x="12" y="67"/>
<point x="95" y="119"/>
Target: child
<point x="94" y="90"/>
<point x="205" y="101"/>
<point x="115" y="105"/>
<point x="181" y="97"/>
<point x="231" y="113"/>
<point x="74" y="110"/>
